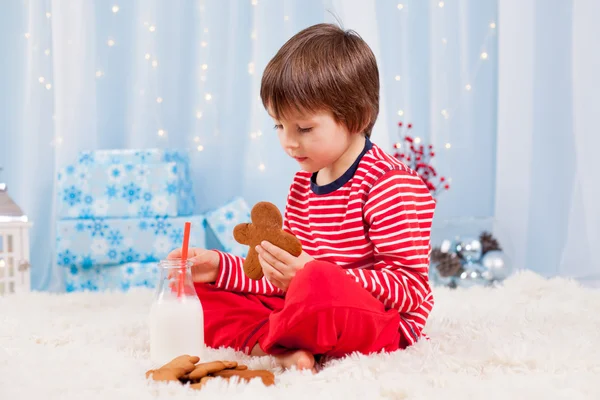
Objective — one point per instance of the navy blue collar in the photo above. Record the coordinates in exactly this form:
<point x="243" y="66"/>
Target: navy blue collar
<point x="346" y="176"/>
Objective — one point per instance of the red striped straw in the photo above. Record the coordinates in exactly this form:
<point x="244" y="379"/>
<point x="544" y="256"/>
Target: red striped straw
<point x="184" y="255"/>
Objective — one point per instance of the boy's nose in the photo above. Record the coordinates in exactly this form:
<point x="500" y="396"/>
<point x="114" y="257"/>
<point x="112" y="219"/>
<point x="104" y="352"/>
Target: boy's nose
<point x="289" y="142"/>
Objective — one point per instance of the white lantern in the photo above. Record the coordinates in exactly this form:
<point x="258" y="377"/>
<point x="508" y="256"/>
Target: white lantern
<point x="15" y="274"/>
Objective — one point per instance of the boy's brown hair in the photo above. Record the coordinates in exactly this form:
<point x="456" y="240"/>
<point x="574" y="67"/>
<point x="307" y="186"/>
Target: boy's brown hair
<point x="324" y="68"/>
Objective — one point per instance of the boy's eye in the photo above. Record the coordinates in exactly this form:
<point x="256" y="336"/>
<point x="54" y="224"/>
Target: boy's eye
<point x="304" y="130"/>
<point x="278" y="127"/>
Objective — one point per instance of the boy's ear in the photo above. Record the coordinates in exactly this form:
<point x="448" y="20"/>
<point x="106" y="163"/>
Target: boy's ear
<point x="241" y="233"/>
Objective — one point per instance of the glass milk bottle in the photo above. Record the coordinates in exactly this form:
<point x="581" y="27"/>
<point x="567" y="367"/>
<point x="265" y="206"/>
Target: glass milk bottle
<point x="176" y="318"/>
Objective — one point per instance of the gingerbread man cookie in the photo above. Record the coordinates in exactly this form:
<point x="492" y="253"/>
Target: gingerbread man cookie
<point x="184" y="369"/>
<point x="266" y="225"/>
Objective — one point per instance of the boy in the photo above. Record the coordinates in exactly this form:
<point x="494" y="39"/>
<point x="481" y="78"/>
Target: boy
<point x="364" y="220"/>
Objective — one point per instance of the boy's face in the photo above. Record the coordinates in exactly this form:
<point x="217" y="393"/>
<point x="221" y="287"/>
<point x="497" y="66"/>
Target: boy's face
<point x="315" y="141"/>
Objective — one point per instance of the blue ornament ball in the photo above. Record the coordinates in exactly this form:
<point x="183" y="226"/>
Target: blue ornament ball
<point x="469" y="249"/>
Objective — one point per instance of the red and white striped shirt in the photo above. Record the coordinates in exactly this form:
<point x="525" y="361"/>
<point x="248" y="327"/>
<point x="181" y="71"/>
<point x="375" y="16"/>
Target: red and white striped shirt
<point x="374" y="221"/>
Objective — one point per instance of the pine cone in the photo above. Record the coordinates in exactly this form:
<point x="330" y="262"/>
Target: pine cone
<point x="450" y="265"/>
<point x="488" y="243"/>
<point x="447" y="264"/>
<point x="437" y="255"/>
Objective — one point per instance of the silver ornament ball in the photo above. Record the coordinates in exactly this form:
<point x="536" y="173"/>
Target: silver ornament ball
<point x="472" y="275"/>
<point x="496" y="262"/>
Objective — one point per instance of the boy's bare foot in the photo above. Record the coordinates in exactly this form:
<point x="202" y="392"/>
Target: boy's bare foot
<point x="301" y="359"/>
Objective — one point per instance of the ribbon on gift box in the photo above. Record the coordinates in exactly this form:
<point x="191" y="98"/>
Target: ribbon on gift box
<point x="113" y="278"/>
<point x="88" y="243"/>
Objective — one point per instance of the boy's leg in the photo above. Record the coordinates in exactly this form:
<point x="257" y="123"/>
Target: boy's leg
<point x="234" y="320"/>
<point x="327" y="312"/>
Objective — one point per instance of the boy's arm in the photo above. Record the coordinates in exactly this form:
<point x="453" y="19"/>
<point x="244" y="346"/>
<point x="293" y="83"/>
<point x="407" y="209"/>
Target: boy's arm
<point x="231" y="277"/>
<point x="399" y="211"/>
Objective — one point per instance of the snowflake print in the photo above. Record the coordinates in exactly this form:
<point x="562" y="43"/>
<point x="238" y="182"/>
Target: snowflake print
<point x="66" y="258"/>
<point x="72" y="196"/>
<point x="160" y="226"/>
<point x="129" y="255"/>
<point x="176" y="235"/>
<point x="97" y="227"/>
<point x="112" y="254"/>
<point x="145" y="212"/>
<point x="86" y="213"/>
<point x="86" y="158"/>
<point x="87" y="262"/>
<point x="116" y="173"/>
<point x="172" y="188"/>
<point x="131" y="192"/>
<point x="111" y="191"/>
<point x="114" y="238"/>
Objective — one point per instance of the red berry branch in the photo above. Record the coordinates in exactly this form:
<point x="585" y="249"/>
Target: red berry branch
<point x="418" y="158"/>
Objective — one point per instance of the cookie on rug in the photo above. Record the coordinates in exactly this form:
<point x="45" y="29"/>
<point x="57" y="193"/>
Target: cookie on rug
<point x="266" y="225"/>
<point x="174" y="369"/>
<point x="184" y="369"/>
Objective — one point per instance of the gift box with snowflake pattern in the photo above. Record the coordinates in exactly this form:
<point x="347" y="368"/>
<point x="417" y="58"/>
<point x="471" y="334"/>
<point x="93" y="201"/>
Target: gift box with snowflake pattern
<point x="122" y="165"/>
<point x="220" y="224"/>
<point x="118" y="191"/>
<point x="111" y="278"/>
<point x="186" y="198"/>
<point x="88" y="243"/>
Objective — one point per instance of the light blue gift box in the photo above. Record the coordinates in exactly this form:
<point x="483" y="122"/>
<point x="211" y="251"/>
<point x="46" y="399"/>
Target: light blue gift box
<point x="186" y="198"/>
<point x="220" y="224"/>
<point x="118" y="190"/>
<point x="92" y="242"/>
<point x="111" y="278"/>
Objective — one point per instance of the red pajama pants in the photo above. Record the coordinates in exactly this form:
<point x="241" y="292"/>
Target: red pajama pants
<point x="324" y="311"/>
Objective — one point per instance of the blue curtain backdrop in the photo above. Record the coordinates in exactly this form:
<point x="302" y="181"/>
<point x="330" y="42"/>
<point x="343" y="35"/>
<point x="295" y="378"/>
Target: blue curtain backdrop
<point x="82" y="75"/>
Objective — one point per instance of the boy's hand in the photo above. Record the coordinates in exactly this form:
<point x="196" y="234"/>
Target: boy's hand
<point x="278" y="265"/>
<point x="205" y="263"/>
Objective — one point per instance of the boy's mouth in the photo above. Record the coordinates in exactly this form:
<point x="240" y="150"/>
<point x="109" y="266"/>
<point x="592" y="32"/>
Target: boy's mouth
<point x="300" y="159"/>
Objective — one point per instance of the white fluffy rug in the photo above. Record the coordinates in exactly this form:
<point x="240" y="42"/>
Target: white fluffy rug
<point x="532" y="338"/>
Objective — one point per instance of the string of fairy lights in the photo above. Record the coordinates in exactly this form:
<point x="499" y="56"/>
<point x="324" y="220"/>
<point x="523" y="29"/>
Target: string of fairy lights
<point x="467" y="86"/>
<point x="207" y="97"/>
<point x="206" y="101"/>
